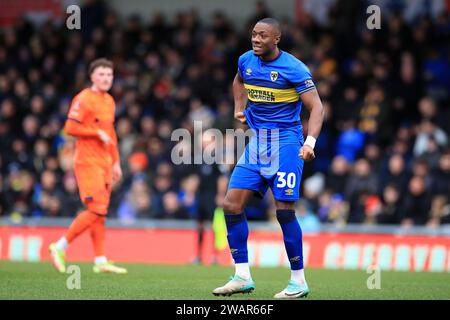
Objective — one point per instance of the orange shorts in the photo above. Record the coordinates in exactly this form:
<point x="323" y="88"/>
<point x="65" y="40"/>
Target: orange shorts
<point x="94" y="185"/>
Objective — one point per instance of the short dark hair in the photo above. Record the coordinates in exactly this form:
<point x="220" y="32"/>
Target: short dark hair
<point x="101" y="62"/>
<point x="273" y="22"/>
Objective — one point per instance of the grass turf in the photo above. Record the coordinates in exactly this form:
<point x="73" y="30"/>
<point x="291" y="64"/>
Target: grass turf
<point x="41" y="281"/>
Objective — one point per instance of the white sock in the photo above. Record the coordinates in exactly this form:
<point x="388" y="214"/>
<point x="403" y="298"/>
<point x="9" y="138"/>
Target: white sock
<point x="62" y="244"/>
<point x="243" y="270"/>
<point x="298" y="276"/>
<point x="100" y="260"/>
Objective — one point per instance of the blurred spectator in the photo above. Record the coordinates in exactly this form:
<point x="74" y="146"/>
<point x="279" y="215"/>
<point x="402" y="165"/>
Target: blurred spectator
<point x="391" y="211"/>
<point x="362" y="182"/>
<point x="396" y="174"/>
<point x="332" y="208"/>
<point x="375" y="115"/>
<point x="188" y="194"/>
<point x="372" y="208"/>
<point x="70" y="199"/>
<point x="417" y="203"/>
<point x="372" y="152"/>
<point x="307" y="218"/>
<point x="336" y="179"/>
<point x="427" y="131"/>
<point x="440" y="206"/>
<point x="136" y="202"/>
<point x="350" y="142"/>
<point x="19" y="198"/>
<point x="172" y="208"/>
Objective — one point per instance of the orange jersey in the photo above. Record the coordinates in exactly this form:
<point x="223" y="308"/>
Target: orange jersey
<point x="89" y="112"/>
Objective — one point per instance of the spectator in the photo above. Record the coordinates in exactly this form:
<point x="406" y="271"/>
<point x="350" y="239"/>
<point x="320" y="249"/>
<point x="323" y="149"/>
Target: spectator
<point x="172" y="208"/>
<point x="417" y="203"/>
<point x="350" y="142"/>
<point x="362" y="182"/>
<point x="391" y="211"/>
<point x="336" y="180"/>
<point x="70" y="199"/>
<point x="440" y="205"/>
<point x="396" y="174"/>
<point x="426" y="131"/>
<point x="136" y="203"/>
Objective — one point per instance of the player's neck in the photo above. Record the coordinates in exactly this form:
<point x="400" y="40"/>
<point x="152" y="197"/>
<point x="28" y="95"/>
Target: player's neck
<point x="95" y="89"/>
<point x="271" y="56"/>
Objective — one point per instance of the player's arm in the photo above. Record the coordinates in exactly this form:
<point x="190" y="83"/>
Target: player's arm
<point x="77" y="129"/>
<point x="222" y="185"/>
<point x="117" y="170"/>
<point x="312" y="102"/>
<point x="240" y="98"/>
<point x="76" y="124"/>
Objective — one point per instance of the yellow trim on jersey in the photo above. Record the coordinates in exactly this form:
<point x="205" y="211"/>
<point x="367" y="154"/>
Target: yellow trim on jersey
<point x="270" y="95"/>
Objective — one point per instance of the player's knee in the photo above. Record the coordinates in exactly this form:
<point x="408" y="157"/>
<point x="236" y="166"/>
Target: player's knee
<point x="97" y="208"/>
<point x="232" y="206"/>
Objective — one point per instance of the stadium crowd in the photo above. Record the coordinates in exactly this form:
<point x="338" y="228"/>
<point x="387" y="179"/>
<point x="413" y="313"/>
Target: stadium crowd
<point x="383" y="155"/>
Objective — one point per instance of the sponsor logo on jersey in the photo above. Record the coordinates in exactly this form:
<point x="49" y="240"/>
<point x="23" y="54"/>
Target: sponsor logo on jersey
<point x="289" y="192"/>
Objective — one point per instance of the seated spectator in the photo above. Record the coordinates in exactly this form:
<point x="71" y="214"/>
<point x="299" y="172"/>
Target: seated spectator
<point x="19" y="198"/>
<point x="396" y="174"/>
<point x="332" y="208"/>
<point x="426" y="131"/>
<point x="336" y="180"/>
<point x="162" y="185"/>
<point x="307" y="219"/>
<point x="136" y="203"/>
<point x="440" y="205"/>
<point x="188" y="194"/>
<point x="372" y="152"/>
<point x="372" y="208"/>
<point x="70" y="199"/>
<point x="391" y="210"/>
<point x="350" y="142"/>
<point x="172" y="208"/>
<point x="362" y="182"/>
<point x="417" y="204"/>
<point x="420" y="168"/>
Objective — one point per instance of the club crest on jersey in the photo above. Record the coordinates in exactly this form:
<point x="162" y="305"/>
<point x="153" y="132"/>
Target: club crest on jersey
<point x="249" y="71"/>
<point x="273" y="75"/>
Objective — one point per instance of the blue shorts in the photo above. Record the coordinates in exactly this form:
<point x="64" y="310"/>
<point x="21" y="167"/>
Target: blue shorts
<point x="261" y="167"/>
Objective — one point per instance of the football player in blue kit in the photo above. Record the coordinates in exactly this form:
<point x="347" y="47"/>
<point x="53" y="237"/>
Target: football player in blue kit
<point x="269" y="89"/>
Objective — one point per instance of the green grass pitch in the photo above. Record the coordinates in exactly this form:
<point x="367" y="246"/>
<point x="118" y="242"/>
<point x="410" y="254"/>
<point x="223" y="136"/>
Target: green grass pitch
<point x="192" y="282"/>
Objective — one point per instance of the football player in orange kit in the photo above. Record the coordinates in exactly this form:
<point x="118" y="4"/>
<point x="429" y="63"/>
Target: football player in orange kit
<point x="96" y="165"/>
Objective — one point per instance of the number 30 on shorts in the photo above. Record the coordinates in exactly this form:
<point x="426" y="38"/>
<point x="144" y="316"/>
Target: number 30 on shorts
<point x="286" y="180"/>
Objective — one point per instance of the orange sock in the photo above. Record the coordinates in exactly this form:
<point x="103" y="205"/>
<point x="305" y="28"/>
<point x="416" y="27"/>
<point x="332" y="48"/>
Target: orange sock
<point x="98" y="236"/>
<point x="83" y="221"/>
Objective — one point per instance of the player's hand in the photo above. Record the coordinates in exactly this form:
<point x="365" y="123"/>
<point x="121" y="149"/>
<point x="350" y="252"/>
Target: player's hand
<point x="306" y="153"/>
<point x="116" y="173"/>
<point x="106" y="139"/>
<point x="239" y="116"/>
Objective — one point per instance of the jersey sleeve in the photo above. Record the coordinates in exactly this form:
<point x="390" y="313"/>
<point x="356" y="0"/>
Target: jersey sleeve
<point x="114" y="148"/>
<point x="241" y="63"/>
<point x="78" y="110"/>
<point x="302" y="79"/>
<point x="240" y="69"/>
<point x="75" y="123"/>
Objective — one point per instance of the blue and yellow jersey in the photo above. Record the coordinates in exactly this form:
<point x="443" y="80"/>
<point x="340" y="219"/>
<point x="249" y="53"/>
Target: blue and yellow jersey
<point x="274" y="89"/>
